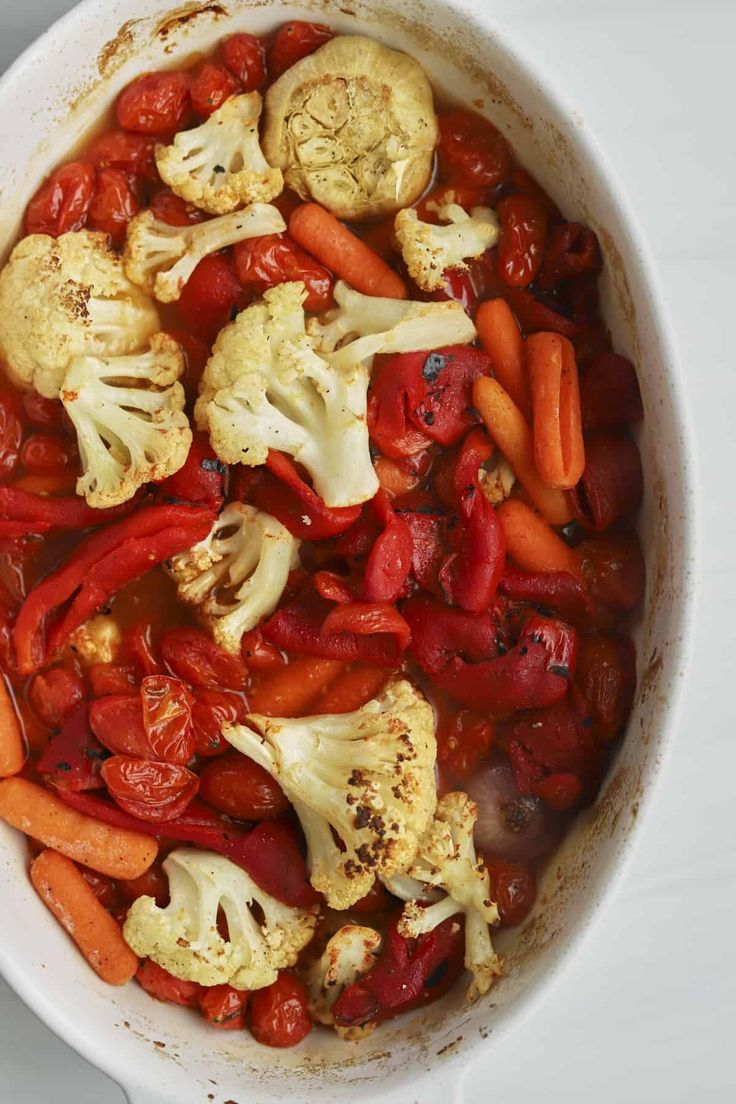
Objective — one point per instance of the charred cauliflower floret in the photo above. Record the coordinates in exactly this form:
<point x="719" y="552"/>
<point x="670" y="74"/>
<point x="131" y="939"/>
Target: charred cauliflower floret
<point x="368" y="776"/>
<point x="353" y="126"/>
<point x="264" y="387"/>
<point x="219" y="166"/>
<point x="98" y="640"/>
<point x="363" y="325"/>
<point x="349" y="954"/>
<point x="128" y="412"/>
<point x="66" y="297"/>
<point x="447" y="862"/>
<point x="264" y="935"/>
<point x="429" y="250"/>
<point x="497" y="481"/>
<point x="161" y="258"/>
<point x="237" y="574"/>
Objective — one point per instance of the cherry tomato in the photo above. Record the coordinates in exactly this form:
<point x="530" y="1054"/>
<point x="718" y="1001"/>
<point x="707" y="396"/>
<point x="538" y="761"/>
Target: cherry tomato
<point x="174" y="210"/>
<point x="241" y="788"/>
<point x="148" y="790"/>
<point x="45" y="454"/>
<point x="53" y="695"/>
<point x="463" y="286"/>
<point x="211" y="711"/>
<point x="606" y="678"/>
<point x="132" y="154"/>
<point x="224" y="1007"/>
<point x="571" y="250"/>
<point x="153" y="883"/>
<point x="167" y="718"/>
<point x="462" y="741"/>
<point x="196" y="354"/>
<point x="279" y="1015"/>
<point x="259" y="654"/>
<point x="111" y="679"/>
<point x="472" y="149"/>
<point x="520" y="247"/>
<point x="245" y="56"/>
<point x="117" y="722"/>
<point x="294" y="41"/>
<point x="209" y="297"/>
<point x="113" y="205"/>
<point x="139" y="646"/>
<point x="62" y="202"/>
<point x="105" y="888"/>
<point x="614" y="569"/>
<point x="156" y="103"/>
<point x="193" y="656"/>
<point x="47" y="413"/>
<point x="513" y="888"/>
<point x="162" y="985"/>
<point x="377" y="899"/>
<point x="210" y="88"/>
<point x="261" y="263"/>
<point x="11" y="431"/>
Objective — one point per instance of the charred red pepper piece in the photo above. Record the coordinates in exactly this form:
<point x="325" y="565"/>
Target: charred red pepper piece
<point x="544" y="746"/>
<point x="202" y="478"/>
<point x="367" y="618"/>
<point x="555" y="590"/>
<point x="97" y="570"/>
<point x="407" y="973"/>
<point x="22" y="512"/>
<point x="281" y="492"/>
<point x="439" y="633"/>
<point x="389" y="560"/>
<point x="72" y="760"/>
<point x="428" y="525"/>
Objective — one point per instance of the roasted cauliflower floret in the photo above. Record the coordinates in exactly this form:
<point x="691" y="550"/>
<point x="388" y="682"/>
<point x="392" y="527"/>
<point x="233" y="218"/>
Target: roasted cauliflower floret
<point x="353" y="126"/>
<point x="264" y="387"/>
<point x="368" y="776"/>
<point x="430" y="250"/>
<point x="161" y="258"/>
<point x="363" y="325"/>
<point x="349" y="954"/>
<point x="219" y="166"/>
<point x="447" y="862"/>
<point x="66" y="297"/>
<point x="128" y="412"/>
<point x="264" y="935"/>
<point x="497" y="481"/>
<point x="237" y="574"/>
<point x="98" y="640"/>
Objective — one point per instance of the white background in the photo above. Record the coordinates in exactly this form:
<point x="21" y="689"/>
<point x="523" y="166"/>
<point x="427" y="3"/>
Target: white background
<point x="646" y="1012"/>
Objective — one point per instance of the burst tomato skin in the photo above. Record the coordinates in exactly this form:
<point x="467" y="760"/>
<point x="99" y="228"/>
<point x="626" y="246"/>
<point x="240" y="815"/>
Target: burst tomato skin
<point x="193" y="656"/>
<point x="262" y="263"/>
<point x="241" y="788"/>
<point x="211" y="711"/>
<point x="155" y="104"/>
<point x="472" y="149"/>
<point x="174" y="210"/>
<point x="244" y="56"/>
<point x="294" y="41"/>
<point x="61" y="203"/>
<point x="209" y="297"/>
<point x="132" y="154"/>
<point x="513" y="888"/>
<point x="11" y="432"/>
<point x="167" y="718"/>
<point x="163" y="986"/>
<point x="113" y="205"/>
<point x="148" y="790"/>
<point x="224" y="1007"/>
<point x="210" y="88"/>
<point x="54" y="694"/>
<point x="279" y="1015"/>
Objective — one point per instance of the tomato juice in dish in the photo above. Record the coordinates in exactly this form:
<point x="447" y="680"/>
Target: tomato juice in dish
<point x="317" y="537"/>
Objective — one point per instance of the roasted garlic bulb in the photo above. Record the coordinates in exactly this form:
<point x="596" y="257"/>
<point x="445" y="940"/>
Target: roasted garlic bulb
<point x="353" y="126"/>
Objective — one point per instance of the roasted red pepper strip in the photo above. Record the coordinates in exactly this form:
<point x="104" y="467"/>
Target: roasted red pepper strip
<point x="178" y="527"/>
<point x="428" y="527"/>
<point x="41" y="513"/>
<point x="282" y="492"/>
<point x="72" y="760"/>
<point x="201" y="480"/>
<point x="549" y="743"/>
<point x="367" y="618"/>
<point x="556" y="590"/>
<point x="389" y="561"/>
<point x="407" y="973"/>
<point x="439" y="633"/>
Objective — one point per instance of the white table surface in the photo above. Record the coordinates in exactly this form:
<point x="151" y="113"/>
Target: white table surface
<point x="646" y="1012"/>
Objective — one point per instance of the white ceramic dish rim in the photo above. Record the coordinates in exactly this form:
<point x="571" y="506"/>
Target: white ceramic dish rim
<point x="588" y="151"/>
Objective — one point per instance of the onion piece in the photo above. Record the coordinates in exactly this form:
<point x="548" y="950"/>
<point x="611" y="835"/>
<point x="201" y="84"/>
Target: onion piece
<point x="511" y="825"/>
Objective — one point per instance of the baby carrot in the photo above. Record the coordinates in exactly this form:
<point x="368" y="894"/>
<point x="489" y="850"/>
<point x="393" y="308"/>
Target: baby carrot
<point x="75" y="905"/>
<point x="501" y="338"/>
<point x="559" y="451"/>
<point x="352" y="691"/>
<point x="118" y="852"/>
<point x="12" y="750"/>
<point x="510" y="431"/>
<point x="291" y="691"/>
<point x="331" y="243"/>
<point x="532" y="544"/>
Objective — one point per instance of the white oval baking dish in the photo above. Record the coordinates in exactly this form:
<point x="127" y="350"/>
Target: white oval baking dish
<point x="162" y="1054"/>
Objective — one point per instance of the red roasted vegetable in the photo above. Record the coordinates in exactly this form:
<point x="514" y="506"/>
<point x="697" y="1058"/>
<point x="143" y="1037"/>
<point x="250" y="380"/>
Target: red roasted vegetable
<point x="545" y="747"/>
<point x="463" y="739"/>
<point x="283" y="493"/>
<point x="194" y="657"/>
<point x="570" y="251"/>
<point x="210" y="88"/>
<point x="262" y="263"/>
<point x="156" y="104"/>
<point x="368" y="618"/>
<point x="36" y="513"/>
<point x="609" y="392"/>
<point x="223" y="1007"/>
<point x="72" y="760"/>
<point x="472" y="149"/>
<point x="439" y="633"/>
<point x="555" y="590"/>
<point x="606" y="678"/>
<point x="61" y="203"/>
<point x="117" y="722"/>
<point x="149" y="790"/>
<point x="279" y="1013"/>
<point x="389" y="560"/>
<point x="202" y="478"/>
<point x="167" y="718"/>
<point x="523" y="230"/>
<point x="613" y="566"/>
<point x="163" y="986"/>
<point x="294" y="41"/>
<point x="53" y="695"/>
<point x="612" y="483"/>
<point x="209" y="297"/>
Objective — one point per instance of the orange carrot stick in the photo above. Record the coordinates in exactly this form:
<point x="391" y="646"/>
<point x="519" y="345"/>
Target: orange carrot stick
<point x="74" y="903"/>
<point x="510" y="431"/>
<point x="12" y="749"/>
<point x="532" y="544"/>
<point x="291" y="691"/>
<point x="501" y="338"/>
<point x="118" y="852"/>
<point x="331" y="243"/>
<point x="559" y="451"/>
<point x="394" y="477"/>
<point x="352" y="691"/>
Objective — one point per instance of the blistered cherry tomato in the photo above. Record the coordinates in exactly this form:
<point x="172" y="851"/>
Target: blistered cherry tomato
<point x="117" y="722"/>
<point x="241" y="788"/>
<point x="162" y="985"/>
<point x="513" y="888"/>
<point x="245" y="57"/>
<point x="153" y="883"/>
<point x="224" y="1007"/>
<point x="11" y="431"/>
<point x="472" y="149"/>
<point x="606" y="678"/>
<point x="167" y="717"/>
<point x="294" y="41"/>
<point x="462" y="741"/>
<point x="196" y="354"/>
<point x="279" y="1015"/>
<point x="193" y="656"/>
<point x="156" y="103"/>
<point x="139" y="645"/>
<point x="571" y="250"/>
<point x="259" y="654"/>
<point x="209" y="297"/>
<point x="113" y="204"/>
<point x="47" y="413"/>
<point x="520" y="246"/>
<point x="148" y="790"/>
<point x="174" y="210"/>
<point x="261" y="263"/>
<point x="211" y="711"/>
<point x="111" y="679"/>
<point x="131" y="154"/>
<point x="62" y="202"/>
<point x="210" y="88"/>
<point x="53" y="695"/>
<point x="614" y="569"/>
<point x="42" y="453"/>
